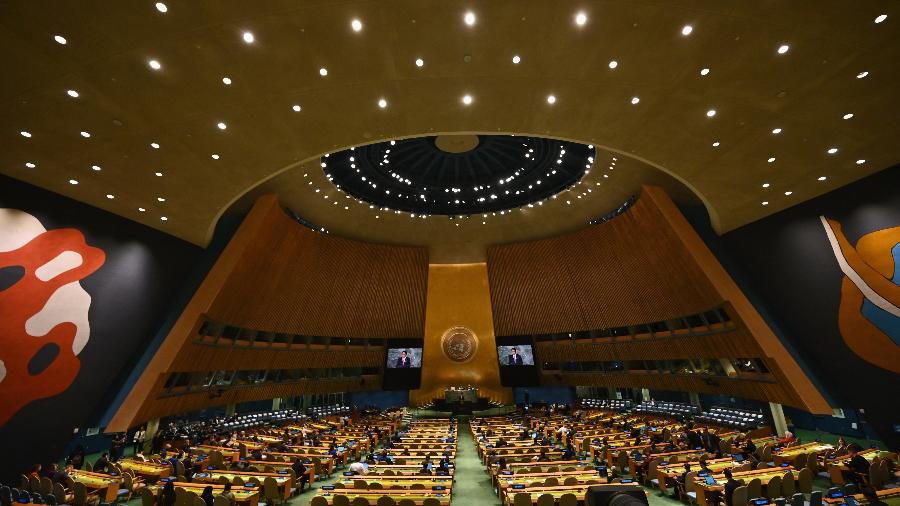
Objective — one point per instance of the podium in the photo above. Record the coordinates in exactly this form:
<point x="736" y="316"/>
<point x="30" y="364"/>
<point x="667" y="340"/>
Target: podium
<point x="460" y="394"/>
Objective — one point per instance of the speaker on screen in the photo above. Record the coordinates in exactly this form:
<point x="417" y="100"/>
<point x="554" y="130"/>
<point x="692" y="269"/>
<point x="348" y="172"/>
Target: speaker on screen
<point x="615" y="495"/>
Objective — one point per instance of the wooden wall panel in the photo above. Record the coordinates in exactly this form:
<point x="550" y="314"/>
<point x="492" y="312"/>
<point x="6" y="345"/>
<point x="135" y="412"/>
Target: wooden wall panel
<point x="632" y="269"/>
<point x="293" y="279"/>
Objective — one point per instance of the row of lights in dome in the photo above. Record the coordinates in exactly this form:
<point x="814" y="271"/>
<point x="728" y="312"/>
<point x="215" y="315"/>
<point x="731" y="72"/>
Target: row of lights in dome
<point x="75" y="182"/>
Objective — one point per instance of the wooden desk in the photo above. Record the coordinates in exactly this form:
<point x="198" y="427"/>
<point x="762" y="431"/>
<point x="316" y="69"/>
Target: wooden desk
<point x="890" y="496"/>
<point x="107" y="486"/>
<point x="557" y="492"/>
<point x="404" y="482"/>
<point x="242" y="495"/>
<point x="310" y="472"/>
<point x="417" y="496"/>
<point x="837" y="466"/>
<point x="284" y="481"/>
<point x="792" y="452"/>
<point x="148" y="469"/>
<point x="705" y="492"/>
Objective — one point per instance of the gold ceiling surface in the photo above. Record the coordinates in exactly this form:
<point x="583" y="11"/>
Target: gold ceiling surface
<point x="838" y="61"/>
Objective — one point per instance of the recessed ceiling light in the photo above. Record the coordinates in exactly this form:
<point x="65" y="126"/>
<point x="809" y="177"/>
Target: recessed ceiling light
<point x="154" y="64"/>
<point x="765" y="203"/>
<point x="160" y="199"/>
<point x="770" y="160"/>
<point x="580" y="19"/>
<point x="296" y="108"/>
<point x="832" y="151"/>
<point x="635" y="100"/>
<point x="214" y="156"/>
<point x="704" y="71"/>
<point x="420" y="62"/>
<point x="716" y="144"/>
<point x="154" y="145"/>
<point x="822" y="178"/>
<point x="382" y="103"/>
<point x="613" y="64"/>
<point x="60" y="39"/>
<point x="862" y="74"/>
<point x="222" y="126"/>
<point x="880" y="18"/>
<point x="95" y="168"/>
<point x="323" y="72"/>
<point x="469" y="18"/>
<point x="356" y="25"/>
<point x="158" y="174"/>
<point x="85" y="134"/>
<point x="73" y="181"/>
<point x="848" y="115"/>
<point x="776" y="131"/>
<point x="163" y="218"/>
<point x="551" y="99"/>
<point x="783" y="48"/>
<point x="110" y="196"/>
<point x="766" y="185"/>
<point x="23" y="133"/>
<point x="686" y="30"/>
<point x="860" y="161"/>
<point x="161" y="7"/>
<point x="248" y="37"/>
<point x="72" y="93"/>
<point x="516" y="59"/>
<point x="226" y="80"/>
<point x="788" y="193"/>
<point x="467" y="99"/>
<point x="710" y="113"/>
<point x="141" y="209"/>
<point x="30" y="165"/>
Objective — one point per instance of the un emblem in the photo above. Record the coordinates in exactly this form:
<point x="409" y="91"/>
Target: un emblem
<point x="459" y="344"/>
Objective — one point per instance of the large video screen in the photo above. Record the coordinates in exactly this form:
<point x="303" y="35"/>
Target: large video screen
<point x="518" y="354"/>
<point x="404" y="358"/>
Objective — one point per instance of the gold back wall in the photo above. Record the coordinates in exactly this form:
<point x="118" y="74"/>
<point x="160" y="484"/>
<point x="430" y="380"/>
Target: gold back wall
<point x="458" y="296"/>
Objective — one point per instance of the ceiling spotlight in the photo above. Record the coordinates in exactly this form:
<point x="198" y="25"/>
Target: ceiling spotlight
<point x="296" y="108"/>
<point x="382" y="103"/>
<point x="776" y="131"/>
<point x="30" y="165"/>
<point x="516" y="59"/>
<point x="86" y="135"/>
<point x="73" y="181"/>
<point x="765" y="203"/>
<point x="788" y="193"/>
<point x="469" y="18"/>
<point x="580" y="19"/>
<point x="783" y="48"/>
<point x="766" y="185"/>
<point x="141" y="209"/>
<point x="716" y="144"/>
<point x="704" y="71"/>
<point x="163" y="218"/>
<point x="154" y="64"/>
<point x="467" y="99"/>
<point x="226" y="80"/>
<point x="710" y="113"/>
<point x="248" y="37"/>
<point x="832" y="151"/>
<point x="356" y="25"/>
<point x="770" y="160"/>
<point x="613" y="64"/>
<point x="880" y="18"/>
<point x="222" y="126"/>
<point x="848" y="115"/>
<point x="23" y="133"/>
<point x="551" y="99"/>
<point x="110" y="196"/>
<point x="158" y="174"/>
<point x="95" y="168"/>
<point x="160" y="199"/>
<point x="420" y="62"/>
<point x="154" y="145"/>
<point x="161" y="7"/>
<point x="215" y="156"/>
<point x="60" y="39"/>
<point x="323" y="72"/>
<point x="72" y="93"/>
<point x="686" y="30"/>
<point x="822" y="178"/>
<point x="862" y="74"/>
<point x="860" y="162"/>
<point x="635" y="100"/>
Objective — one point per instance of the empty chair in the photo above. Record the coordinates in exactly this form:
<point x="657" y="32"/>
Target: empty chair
<point x="386" y="501"/>
<point x="237" y="480"/>
<point x="375" y="485"/>
<point x="321" y="501"/>
<point x="521" y="499"/>
<point x="34" y="484"/>
<point x="406" y="502"/>
<point x="360" y="501"/>
<point x="50" y="500"/>
<point x="788" y="489"/>
<point x="360" y="484"/>
<point x="690" y="487"/>
<point x="417" y="486"/>
<point x="773" y="487"/>
<point x="198" y="501"/>
<point x="875" y="475"/>
<point x="551" y="482"/>
<point x="388" y="472"/>
<point x="220" y="500"/>
<point x="223" y="480"/>
<point x="815" y="498"/>
<point x="804" y="481"/>
<point x="46" y="486"/>
<point x="126" y="489"/>
<point x="740" y="496"/>
<point x="798" y="499"/>
<point x="552" y="469"/>
<point x="800" y="461"/>
<point x="754" y="488"/>
<point x="24" y="482"/>
<point x="431" y="501"/>
<point x="571" y="480"/>
<point x="779" y="501"/>
<point x="568" y="500"/>
<point x="850" y="489"/>
<point x="60" y="493"/>
<point x="546" y="500"/>
<point x="340" y="500"/>
<point x="270" y="491"/>
<point x="147" y="498"/>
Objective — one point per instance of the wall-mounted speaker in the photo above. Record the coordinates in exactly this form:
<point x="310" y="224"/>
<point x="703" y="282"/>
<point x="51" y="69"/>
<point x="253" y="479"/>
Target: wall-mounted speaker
<point x="615" y="495"/>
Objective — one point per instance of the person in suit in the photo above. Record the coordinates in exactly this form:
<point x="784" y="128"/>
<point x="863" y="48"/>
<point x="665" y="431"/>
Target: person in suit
<point x="514" y="357"/>
<point x="403" y="361"/>
<point x="730" y="486"/>
<point x="859" y="466"/>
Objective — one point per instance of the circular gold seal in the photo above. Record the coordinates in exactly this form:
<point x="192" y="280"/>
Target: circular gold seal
<point x="459" y="344"/>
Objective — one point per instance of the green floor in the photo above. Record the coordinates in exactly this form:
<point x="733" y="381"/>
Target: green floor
<point x="472" y="485"/>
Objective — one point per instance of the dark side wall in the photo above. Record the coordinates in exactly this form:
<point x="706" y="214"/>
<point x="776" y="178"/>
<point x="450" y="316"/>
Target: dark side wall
<point x="130" y="293"/>
<point x="790" y="264"/>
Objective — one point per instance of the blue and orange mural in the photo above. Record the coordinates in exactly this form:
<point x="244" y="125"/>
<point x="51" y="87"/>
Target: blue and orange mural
<point x="869" y="313"/>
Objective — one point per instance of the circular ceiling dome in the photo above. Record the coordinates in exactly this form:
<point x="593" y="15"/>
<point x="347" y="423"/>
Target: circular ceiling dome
<point x="458" y="174"/>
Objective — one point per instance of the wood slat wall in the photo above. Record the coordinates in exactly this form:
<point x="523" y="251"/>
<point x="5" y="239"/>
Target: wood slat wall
<point x="292" y="279"/>
<point x="197" y="357"/>
<point x="632" y="269"/>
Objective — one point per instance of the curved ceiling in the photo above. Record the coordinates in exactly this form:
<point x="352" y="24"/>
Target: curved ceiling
<point x="458" y="174"/>
<point x="183" y="115"/>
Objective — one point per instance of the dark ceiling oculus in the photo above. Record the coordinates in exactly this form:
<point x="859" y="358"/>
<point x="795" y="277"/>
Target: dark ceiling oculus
<point x="458" y="174"/>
